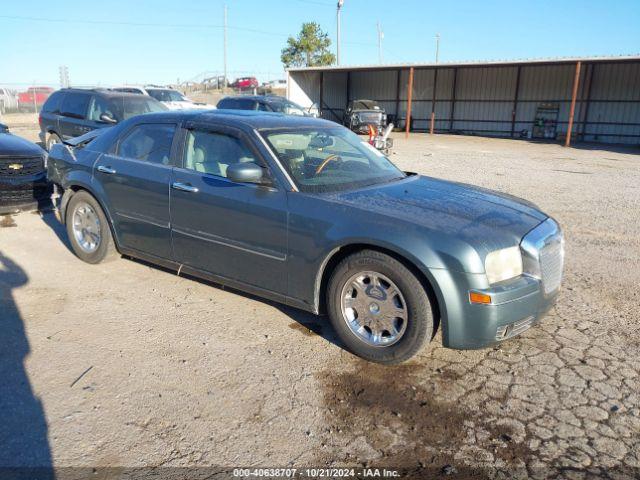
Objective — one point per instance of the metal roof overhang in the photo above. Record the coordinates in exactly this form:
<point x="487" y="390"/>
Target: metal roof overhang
<point x="471" y="64"/>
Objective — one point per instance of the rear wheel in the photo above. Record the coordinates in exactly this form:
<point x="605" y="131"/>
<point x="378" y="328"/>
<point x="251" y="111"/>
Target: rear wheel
<point x="378" y="307"/>
<point x="52" y="139"/>
<point x="88" y="229"/>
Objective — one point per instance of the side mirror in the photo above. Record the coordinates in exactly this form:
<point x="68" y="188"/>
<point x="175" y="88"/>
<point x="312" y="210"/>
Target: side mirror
<point x="106" y="118"/>
<point x="245" y="172"/>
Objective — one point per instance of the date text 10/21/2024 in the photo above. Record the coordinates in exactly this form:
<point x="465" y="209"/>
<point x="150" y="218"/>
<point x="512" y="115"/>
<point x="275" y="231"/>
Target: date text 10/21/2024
<point x="315" y="473"/>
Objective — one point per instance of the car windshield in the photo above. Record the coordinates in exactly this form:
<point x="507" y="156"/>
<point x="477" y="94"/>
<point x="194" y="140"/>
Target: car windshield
<point x="127" y="107"/>
<point x="365" y="105"/>
<point x="330" y="159"/>
<point x="287" y="107"/>
<point x="165" y="95"/>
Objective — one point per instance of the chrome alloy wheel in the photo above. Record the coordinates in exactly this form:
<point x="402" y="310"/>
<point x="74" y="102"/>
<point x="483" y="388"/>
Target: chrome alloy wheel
<point x="86" y="227"/>
<point x="374" y="309"/>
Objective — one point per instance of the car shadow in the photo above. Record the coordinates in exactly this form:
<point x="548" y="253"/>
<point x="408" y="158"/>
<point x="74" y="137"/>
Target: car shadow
<point x="24" y="445"/>
<point x="50" y="218"/>
<point x="304" y="322"/>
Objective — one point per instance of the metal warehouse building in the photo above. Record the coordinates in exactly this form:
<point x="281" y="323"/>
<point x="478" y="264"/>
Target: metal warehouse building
<point x="597" y="99"/>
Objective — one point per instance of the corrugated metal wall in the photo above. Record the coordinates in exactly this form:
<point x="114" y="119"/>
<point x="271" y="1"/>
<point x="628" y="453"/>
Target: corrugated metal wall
<point x="490" y="100"/>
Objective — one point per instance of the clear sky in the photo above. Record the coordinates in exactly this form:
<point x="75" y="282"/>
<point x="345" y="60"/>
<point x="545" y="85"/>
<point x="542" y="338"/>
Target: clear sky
<point x="159" y="41"/>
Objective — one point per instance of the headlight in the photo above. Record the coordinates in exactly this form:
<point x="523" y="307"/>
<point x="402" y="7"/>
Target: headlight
<point x="503" y="264"/>
<point x="355" y="119"/>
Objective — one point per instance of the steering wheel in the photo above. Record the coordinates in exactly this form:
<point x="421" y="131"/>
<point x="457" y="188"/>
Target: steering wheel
<point x="325" y="162"/>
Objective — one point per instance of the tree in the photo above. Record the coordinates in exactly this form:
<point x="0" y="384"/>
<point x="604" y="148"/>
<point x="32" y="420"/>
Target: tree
<point x="310" y="49"/>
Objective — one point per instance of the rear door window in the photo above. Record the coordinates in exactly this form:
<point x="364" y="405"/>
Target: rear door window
<point x="228" y="103"/>
<point x="149" y="143"/>
<point x="53" y="103"/>
<point x="246" y="104"/>
<point x="75" y="105"/>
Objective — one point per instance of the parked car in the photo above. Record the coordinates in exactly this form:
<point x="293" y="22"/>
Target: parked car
<point x="72" y="112"/>
<point x="359" y="114"/>
<point x="272" y="86"/>
<point x="170" y="98"/>
<point x="33" y="98"/>
<point x="277" y="84"/>
<point x="245" y="83"/>
<point x="265" y="103"/>
<point x="23" y="180"/>
<point x="8" y="101"/>
<point x="216" y="82"/>
<point x="302" y="211"/>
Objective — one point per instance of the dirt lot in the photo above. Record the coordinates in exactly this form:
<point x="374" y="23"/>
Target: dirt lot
<point x="124" y="364"/>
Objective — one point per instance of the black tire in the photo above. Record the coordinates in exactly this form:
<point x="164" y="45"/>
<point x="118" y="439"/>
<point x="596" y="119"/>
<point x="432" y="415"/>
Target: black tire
<point x="420" y="319"/>
<point x="52" y="138"/>
<point x="105" y="249"/>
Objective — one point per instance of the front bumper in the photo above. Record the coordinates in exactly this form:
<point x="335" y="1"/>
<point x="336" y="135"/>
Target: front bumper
<point x="24" y="193"/>
<point x="364" y="127"/>
<point x="517" y="304"/>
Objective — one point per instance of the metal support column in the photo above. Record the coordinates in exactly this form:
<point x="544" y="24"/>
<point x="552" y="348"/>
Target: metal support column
<point x="398" y="80"/>
<point x="348" y="86"/>
<point x="432" y="122"/>
<point x="515" y="102"/>
<point x="572" y="111"/>
<point x="409" y="95"/>
<point x="587" y="102"/>
<point x="453" y="99"/>
<point x="321" y="106"/>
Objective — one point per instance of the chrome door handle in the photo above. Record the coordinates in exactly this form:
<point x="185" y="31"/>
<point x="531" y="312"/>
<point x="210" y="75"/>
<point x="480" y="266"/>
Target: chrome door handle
<point x="104" y="169"/>
<point x="185" y="187"/>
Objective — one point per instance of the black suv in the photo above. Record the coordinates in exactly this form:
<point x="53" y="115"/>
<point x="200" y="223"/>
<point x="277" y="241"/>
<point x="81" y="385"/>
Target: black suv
<point x="72" y="112"/>
<point x="264" y="103"/>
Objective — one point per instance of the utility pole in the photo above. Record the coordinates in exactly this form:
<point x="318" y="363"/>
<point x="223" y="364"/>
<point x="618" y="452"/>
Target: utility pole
<point x="63" y="71"/>
<point x="340" y="4"/>
<point x="437" y="47"/>
<point x="380" y="37"/>
<point x="224" y="84"/>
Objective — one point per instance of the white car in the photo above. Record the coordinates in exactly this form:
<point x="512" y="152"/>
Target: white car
<point x="8" y="100"/>
<point x="170" y="98"/>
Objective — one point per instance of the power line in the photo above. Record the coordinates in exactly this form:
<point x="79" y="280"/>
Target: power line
<point x="141" y="24"/>
<point x="312" y="2"/>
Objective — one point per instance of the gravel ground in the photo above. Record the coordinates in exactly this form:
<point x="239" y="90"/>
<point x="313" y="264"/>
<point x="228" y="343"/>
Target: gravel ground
<point x="124" y="364"/>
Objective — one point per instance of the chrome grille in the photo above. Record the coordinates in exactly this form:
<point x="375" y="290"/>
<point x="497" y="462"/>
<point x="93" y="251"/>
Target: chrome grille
<point x="551" y="260"/>
<point x="20" y="167"/>
<point x="370" y="117"/>
<point x="543" y="255"/>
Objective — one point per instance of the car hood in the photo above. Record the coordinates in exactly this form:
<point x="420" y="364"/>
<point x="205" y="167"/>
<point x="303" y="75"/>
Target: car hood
<point x="14" y="146"/>
<point x="485" y="219"/>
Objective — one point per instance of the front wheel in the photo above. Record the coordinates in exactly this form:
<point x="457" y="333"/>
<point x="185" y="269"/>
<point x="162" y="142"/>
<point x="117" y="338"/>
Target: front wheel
<point x="88" y="229"/>
<point x="379" y="308"/>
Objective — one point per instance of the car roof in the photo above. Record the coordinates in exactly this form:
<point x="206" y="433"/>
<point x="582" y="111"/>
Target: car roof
<point x="242" y="119"/>
<point x="101" y="91"/>
<point x="257" y="98"/>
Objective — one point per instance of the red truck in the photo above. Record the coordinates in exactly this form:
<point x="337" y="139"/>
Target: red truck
<point x="245" y="83"/>
<point x="34" y="97"/>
